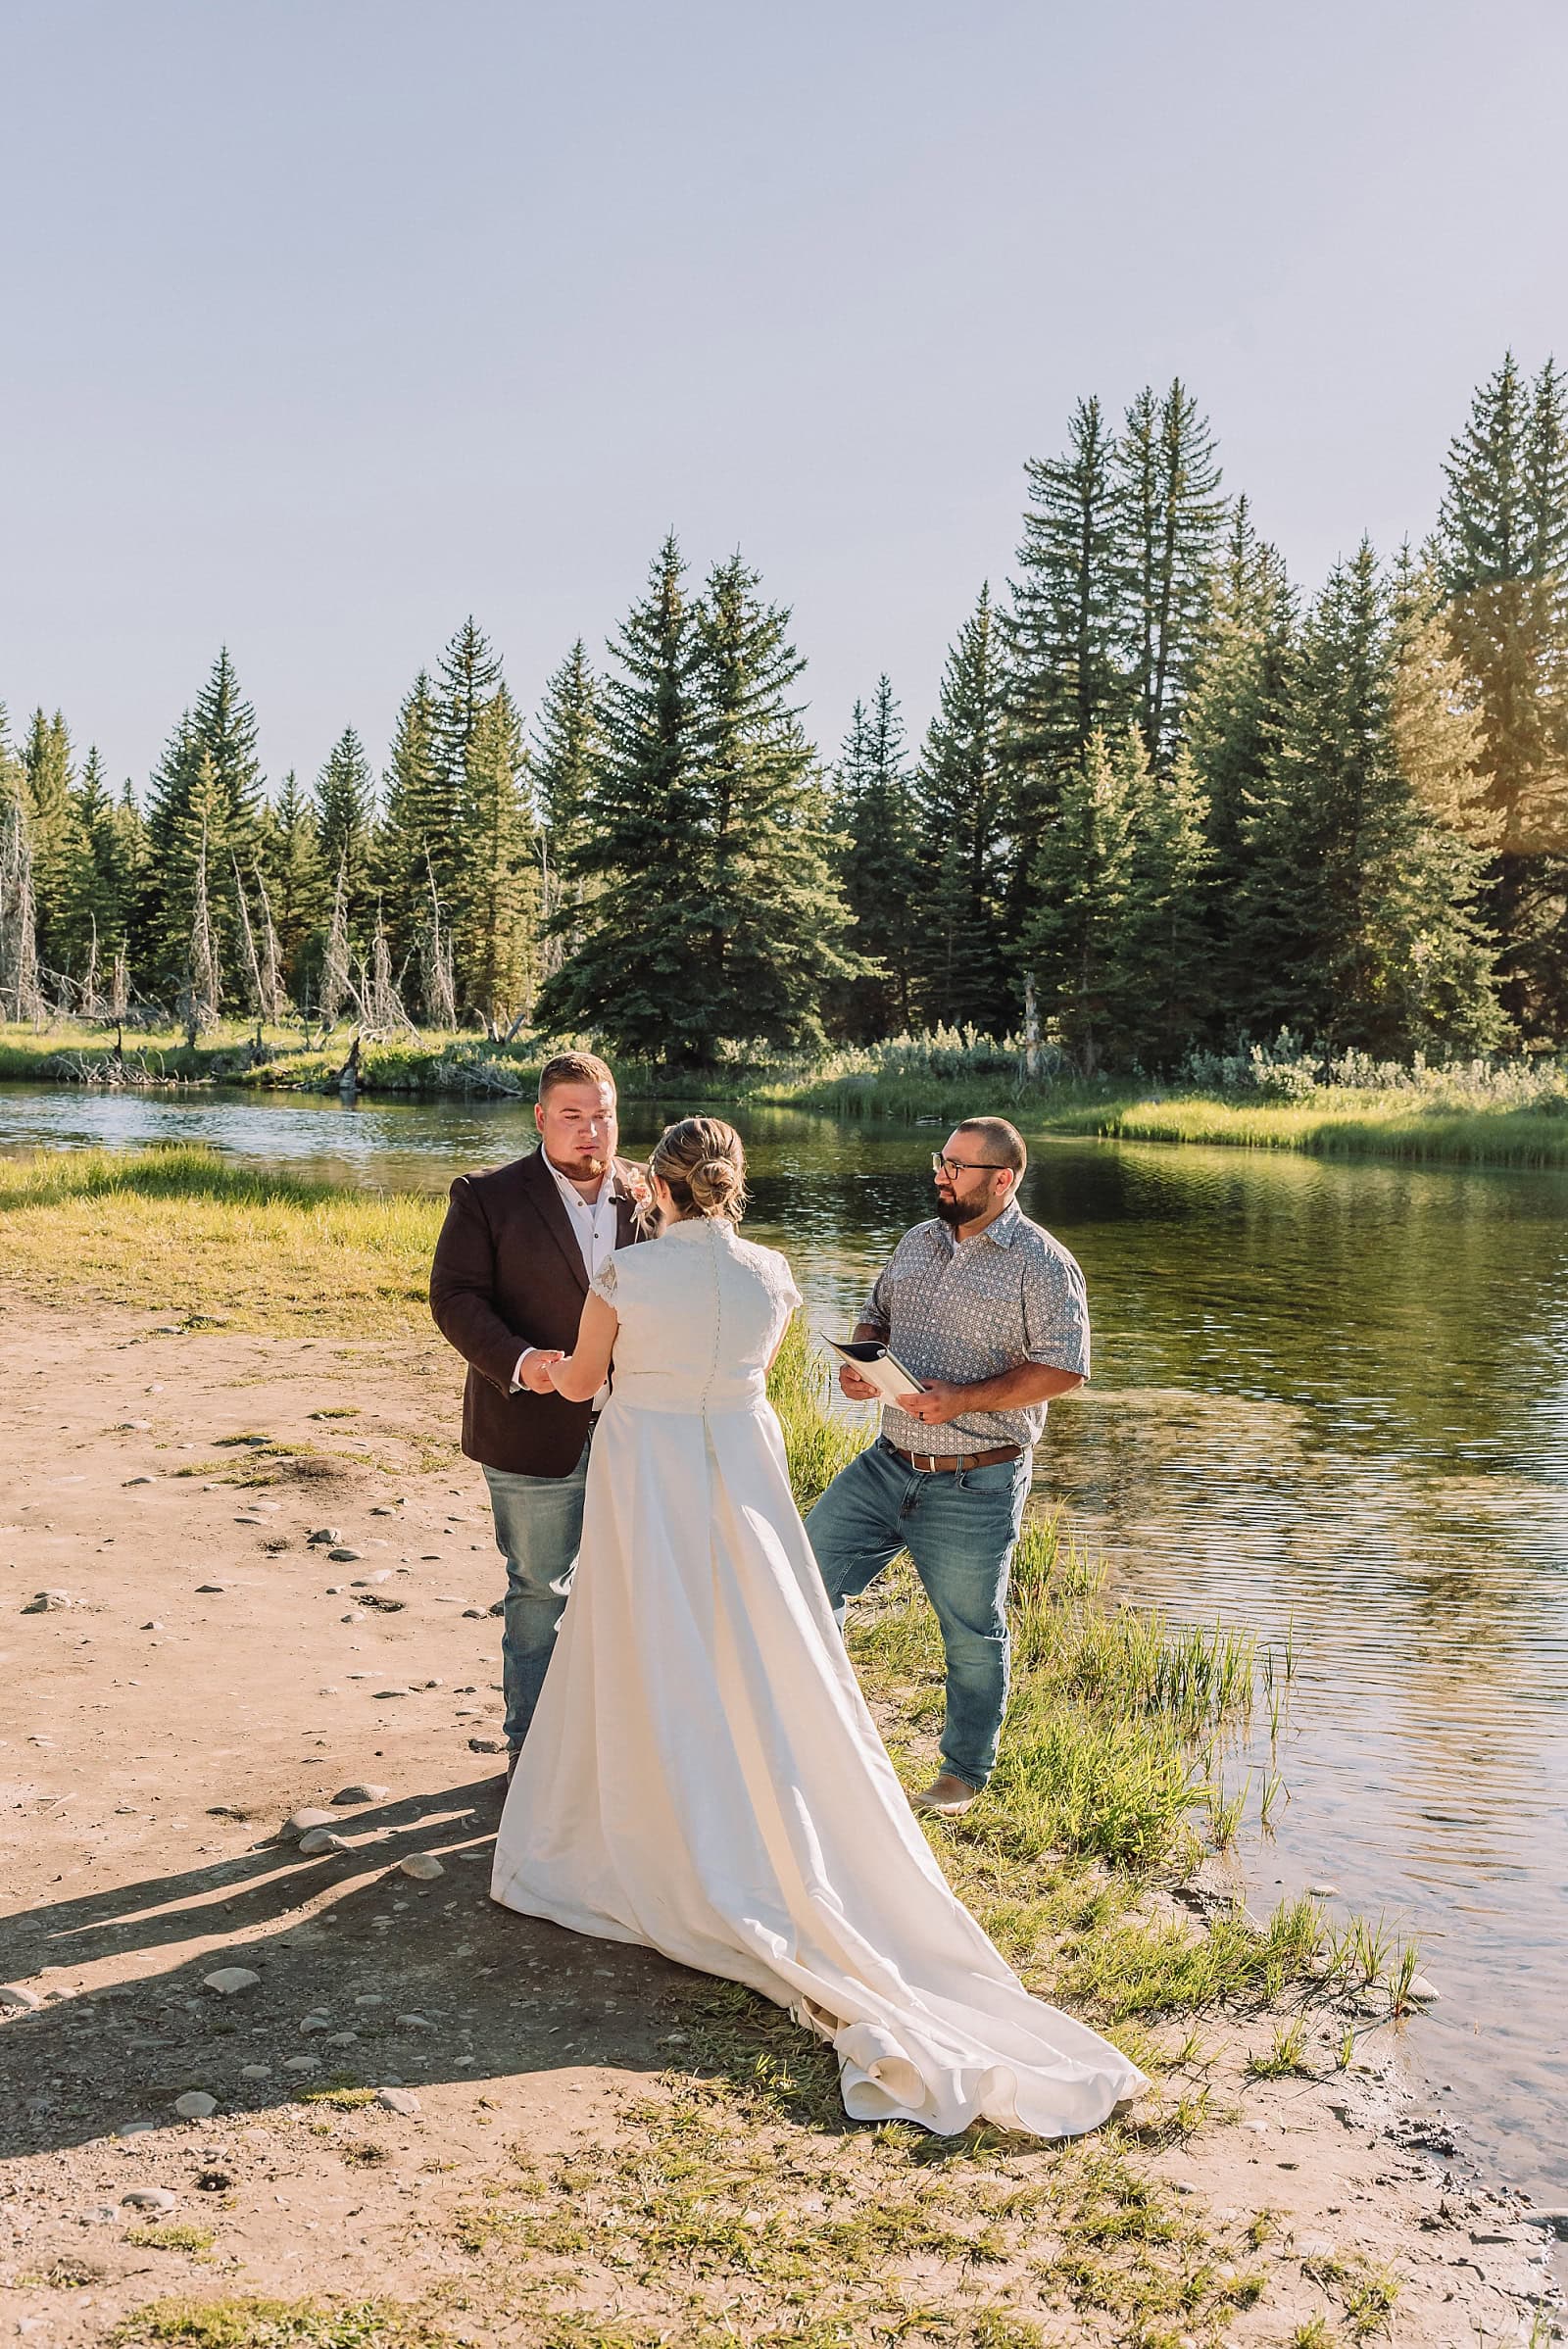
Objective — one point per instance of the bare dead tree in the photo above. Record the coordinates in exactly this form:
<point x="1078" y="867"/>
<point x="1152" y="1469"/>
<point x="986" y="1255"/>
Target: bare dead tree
<point x="204" y="980"/>
<point x="438" y="980"/>
<point x="21" y="990"/>
<point x="337" y="978"/>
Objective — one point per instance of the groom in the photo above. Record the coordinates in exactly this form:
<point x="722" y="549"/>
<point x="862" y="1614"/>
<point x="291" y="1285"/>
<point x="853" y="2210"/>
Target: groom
<point x="516" y="1252"/>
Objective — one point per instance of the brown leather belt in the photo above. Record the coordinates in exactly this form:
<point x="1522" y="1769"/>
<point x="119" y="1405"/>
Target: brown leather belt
<point x="933" y="1462"/>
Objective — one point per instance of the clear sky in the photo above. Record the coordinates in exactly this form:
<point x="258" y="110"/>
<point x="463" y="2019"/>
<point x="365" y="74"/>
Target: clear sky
<point x="328" y="322"/>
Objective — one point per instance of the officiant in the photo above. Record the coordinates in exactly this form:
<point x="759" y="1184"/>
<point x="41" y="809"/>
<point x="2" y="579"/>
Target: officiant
<point x="989" y="1312"/>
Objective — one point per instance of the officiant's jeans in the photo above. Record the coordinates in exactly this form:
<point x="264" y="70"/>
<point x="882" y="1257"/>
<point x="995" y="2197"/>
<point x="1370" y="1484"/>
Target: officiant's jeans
<point x="539" y="1533"/>
<point x="960" y="1530"/>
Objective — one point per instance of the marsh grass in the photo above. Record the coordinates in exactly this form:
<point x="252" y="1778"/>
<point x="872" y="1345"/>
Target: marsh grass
<point x="1345" y="1122"/>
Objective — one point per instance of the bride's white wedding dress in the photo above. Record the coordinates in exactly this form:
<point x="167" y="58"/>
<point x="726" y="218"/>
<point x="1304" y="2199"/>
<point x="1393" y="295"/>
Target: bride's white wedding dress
<point x="703" y="1776"/>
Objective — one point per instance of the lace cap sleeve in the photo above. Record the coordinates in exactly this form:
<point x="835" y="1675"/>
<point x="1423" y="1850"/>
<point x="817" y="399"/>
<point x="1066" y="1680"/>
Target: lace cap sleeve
<point x="603" y="1283"/>
<point x="789" y="1296"/>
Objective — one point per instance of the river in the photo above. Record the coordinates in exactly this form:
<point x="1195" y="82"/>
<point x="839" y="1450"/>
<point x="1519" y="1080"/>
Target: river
<point x="1330" y="1401"/>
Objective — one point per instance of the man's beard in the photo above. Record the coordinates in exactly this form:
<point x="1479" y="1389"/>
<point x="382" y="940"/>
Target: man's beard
<point x="581" y="1170"/>
<point x="950" y="1211"/>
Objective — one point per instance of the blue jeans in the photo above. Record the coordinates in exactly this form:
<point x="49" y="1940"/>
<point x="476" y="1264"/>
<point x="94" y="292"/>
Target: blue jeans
<point x="960" y="1528"/>
<point x="539" y="1533"/>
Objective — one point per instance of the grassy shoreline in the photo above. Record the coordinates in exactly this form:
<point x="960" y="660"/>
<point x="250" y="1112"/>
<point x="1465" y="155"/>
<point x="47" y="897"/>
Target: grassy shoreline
<point x="1435" y="1120"/>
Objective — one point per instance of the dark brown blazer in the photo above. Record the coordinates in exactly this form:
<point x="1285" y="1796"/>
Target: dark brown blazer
<point x="509" y="1274"/>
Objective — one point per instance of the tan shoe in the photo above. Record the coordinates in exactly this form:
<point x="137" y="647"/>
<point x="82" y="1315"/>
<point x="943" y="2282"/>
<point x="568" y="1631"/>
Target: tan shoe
<point x="947" y="1794"/>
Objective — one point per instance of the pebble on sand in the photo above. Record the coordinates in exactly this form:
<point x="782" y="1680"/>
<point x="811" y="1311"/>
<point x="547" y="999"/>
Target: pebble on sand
<point x="346" y="1795"/>
<point x="1423" y="1991"/>
<point x="487" y="1744"/>
<point x="148" y="2198"/>
<point x="319" y="1839"/>
<point x="302" y="2063"/>
<point x="422" y="1866"/>
<point x="302" y="1822"/>
<point x="345" y="1557"/>
<point x="323" y="1535"/>
<point x="196" y="2105"/>
<point x="17" y="1995"/>
<point x="1323" y="1891"/>
<point x="49" y="1602"/>
<point x="399" y="2101"/>
<point x="256" y="2070"/>
<point x="230" y="1980"/>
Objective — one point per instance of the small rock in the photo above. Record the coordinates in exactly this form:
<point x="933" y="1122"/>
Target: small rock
<point x="345" y="1557"/>
<point x="137" y="2128"/>
<point x="487" y="1744"/>
<point x="48" y="1602"/>
<point x="195" y="2105"/>
<point x="360" y="1793"/>
<point x="473" y="1614"/>
<point x="211" y="1590"/>
<point x="103" y="2214"/>
<point x="380" y="1509"/>
<point x="381" y="1693"/>
<point x="250" y="1521"/>
<point x="132" y="1427"/>
<point x="302" y="1822"/>
<point x="422" y="1866"/>
<point x="18" y="1996"/>
<point x="213" y="2182"/>
<point x="256" y="2070"/>
<point x="318" y="1840"/>
<point x="302" y="2063"/>
<point x="342" y="2038"/>
<point x="317" y="2023"/>
<point x="399" y="2101"/>
<point x="152" y="1627"/>
<point x="323" y="1535"/>
<point x="1323" y="1891"/>
<point x="148" y="2198"/>
<point x="1426" y="1992"/>
<point x="415" y="2022"/>
<point x="231" y="1979"/>
<point x="139" y="1480"/>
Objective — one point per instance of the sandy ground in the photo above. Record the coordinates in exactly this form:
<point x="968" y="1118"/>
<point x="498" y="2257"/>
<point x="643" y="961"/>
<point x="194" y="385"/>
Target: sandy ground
<point x="209" y="1671"/>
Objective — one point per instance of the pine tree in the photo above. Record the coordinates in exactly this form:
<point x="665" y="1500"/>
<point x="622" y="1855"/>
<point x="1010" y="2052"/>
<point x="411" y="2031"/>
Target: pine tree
<point x="1234" y="726"/>
<point x="1169" y="518"/>
<point x="968" y="840"/>
<point x="56" y="841"/>
<point x="296" y="885"/>
<point x="633" y="973"/>
<point x="468" y="680"/>
<point x="1437" y="732"/>
<point x="1503" y="551"/>
<point x="494" y="888"/>
<point x="567" y="758"/>
<point x="1065" y="675"/>
<point x="1082" y="896"/>
<point x="1165" y="955"/>
<point x="345" y="827"/>
<point x="1358" y="906"/>
<point x="207" y="787"/>
<point x="416" y="821"/>
<point x="775" y="917"/>
<point x="878" y="868"/>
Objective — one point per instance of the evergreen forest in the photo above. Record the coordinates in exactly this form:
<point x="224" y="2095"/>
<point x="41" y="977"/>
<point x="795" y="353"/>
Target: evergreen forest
<point x="1168" y="802"/>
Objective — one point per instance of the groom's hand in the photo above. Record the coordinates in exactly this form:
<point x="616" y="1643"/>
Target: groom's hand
<point x="938" y="1401"/>
<point x="535" y="1371"/>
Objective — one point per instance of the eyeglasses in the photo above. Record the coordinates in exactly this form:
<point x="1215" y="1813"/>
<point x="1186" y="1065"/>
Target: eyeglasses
<point x="953" y="1166"/>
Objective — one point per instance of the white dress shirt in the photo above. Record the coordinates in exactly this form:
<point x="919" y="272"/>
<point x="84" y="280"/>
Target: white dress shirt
<point x="593" y="1226"/>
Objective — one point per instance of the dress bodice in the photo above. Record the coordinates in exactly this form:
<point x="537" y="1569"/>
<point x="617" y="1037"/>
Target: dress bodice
<point x="701" y="1311"/>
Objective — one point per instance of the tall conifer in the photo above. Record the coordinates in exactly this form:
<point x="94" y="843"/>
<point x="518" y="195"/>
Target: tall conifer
<point x="1169" y="519"/>
<point x="345" y="820"/>
<point x="207" y="787"/>
<point x="567" y="758"/>
<point x="878" y="868"/>
<point x="494" y="887"/>
<point x="415" y="822"/>
<point x="972" y="836"/>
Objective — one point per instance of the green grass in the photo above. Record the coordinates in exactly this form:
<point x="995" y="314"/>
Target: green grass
<point x="257" y="2323"/>
<point x="1342" y="1121"/>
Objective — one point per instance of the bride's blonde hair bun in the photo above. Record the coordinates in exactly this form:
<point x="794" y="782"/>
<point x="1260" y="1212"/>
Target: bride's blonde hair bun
<point x="705" y="1165"/>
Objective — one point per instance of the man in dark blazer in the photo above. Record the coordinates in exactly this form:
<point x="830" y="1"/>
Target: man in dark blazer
<point x="513" y="1264"/>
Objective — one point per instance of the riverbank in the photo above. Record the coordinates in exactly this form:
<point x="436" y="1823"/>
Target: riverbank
<point x="1516" y="1116"/>
<point x="583" y="2144"/>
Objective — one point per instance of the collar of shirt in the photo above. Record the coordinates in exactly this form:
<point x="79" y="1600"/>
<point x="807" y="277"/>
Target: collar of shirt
<point x="575" y="1203"/>
<point x="1002" y="1232"/>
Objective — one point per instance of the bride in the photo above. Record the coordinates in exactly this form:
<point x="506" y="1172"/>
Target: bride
<point x="702" y="1775"/>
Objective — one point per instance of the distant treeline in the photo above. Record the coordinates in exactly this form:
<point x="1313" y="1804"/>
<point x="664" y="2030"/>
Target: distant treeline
<point x="1166" y="802"/>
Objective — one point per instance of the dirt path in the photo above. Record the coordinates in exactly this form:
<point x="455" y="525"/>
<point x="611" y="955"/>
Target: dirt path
<point x="208" y="1670"/>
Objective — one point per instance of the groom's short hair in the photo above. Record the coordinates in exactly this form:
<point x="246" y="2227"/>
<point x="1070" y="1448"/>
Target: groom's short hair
<point x="574" y="1068"/>
<point x="1001" y="1142"/>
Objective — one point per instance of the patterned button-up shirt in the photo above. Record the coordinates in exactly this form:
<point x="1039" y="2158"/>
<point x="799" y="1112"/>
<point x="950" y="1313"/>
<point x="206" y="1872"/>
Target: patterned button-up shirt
<point x="968" y="1310"/>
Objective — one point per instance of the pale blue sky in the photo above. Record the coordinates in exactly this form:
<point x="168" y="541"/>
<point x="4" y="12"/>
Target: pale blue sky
<point x="327" y="322"/>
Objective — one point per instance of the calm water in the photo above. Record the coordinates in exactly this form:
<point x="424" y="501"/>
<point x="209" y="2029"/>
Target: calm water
<point x="1333" y="1398"/>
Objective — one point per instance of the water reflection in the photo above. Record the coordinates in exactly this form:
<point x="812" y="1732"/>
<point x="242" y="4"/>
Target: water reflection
<point x="1329" y="1402"/>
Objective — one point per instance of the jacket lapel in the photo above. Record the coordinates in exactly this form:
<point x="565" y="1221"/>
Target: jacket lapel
<point x="550" y="1210"/>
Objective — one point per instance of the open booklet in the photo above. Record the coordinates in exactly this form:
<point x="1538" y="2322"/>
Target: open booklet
<point x="879" y="1368"/>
